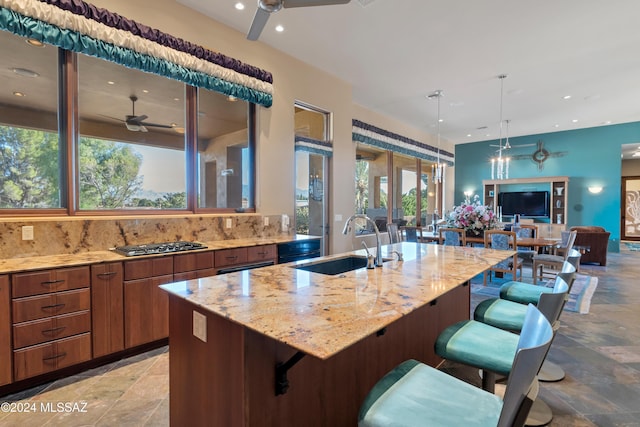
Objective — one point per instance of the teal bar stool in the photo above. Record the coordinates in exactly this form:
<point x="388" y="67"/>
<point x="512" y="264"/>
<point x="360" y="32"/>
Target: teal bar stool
<point x="526" y="293"/>
<point x="509" y="315"/>
<point x="414" y="394"/>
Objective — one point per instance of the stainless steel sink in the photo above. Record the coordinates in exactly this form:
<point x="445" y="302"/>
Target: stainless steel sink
<point x="336" y="265"/>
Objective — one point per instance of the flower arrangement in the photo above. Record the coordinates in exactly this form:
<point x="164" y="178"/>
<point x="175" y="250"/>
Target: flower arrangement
<point x="473" y="216"/>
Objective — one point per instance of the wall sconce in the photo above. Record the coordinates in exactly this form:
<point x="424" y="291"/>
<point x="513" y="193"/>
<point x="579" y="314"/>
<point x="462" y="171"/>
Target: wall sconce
<point x="467" y="195"/>
<point x="595" y="189"/>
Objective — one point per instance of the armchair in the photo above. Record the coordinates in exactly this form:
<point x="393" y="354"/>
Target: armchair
<point x="592" y="241"/>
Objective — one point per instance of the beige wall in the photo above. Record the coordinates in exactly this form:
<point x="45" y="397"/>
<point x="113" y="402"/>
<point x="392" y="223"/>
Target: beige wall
<point x="293" y="80"/>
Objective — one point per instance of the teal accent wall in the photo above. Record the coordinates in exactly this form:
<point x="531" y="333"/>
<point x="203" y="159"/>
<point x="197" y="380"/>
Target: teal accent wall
<point x="587" y="156"/>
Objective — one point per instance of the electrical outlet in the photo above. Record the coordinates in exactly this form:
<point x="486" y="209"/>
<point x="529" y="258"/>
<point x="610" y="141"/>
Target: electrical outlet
<point x="265" y="221"/>
<point x="27" y="232"/>
<point x="200" y="326"/>
<point x="228" y="223"/>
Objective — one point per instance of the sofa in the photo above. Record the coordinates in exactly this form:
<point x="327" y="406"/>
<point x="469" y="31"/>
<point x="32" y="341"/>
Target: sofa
<point x="592" y="241"/>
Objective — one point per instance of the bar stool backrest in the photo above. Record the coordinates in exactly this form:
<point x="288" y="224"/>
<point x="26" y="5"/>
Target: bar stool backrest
<point x="551" y="304"/>
<point x="533" y="345"/>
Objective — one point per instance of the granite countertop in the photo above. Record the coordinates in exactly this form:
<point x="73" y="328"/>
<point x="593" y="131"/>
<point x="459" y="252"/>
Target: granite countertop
<point x="322" y="314"/>
<point x="31" y="263"/>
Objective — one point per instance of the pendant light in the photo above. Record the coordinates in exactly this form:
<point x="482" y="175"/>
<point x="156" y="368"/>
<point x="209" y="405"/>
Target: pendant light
<point x="500" y="165"/>
<point x="437" y="170"/>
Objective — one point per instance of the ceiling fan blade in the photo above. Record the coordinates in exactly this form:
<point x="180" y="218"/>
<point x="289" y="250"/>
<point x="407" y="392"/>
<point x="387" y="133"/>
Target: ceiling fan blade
<point x="305" y="3"/>
<point x="259" y="21"/>
<point x="155" y="125"/>
<point x="112" y="118"/>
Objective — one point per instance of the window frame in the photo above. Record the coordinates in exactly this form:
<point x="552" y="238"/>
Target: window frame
<point x="68" y="134"/>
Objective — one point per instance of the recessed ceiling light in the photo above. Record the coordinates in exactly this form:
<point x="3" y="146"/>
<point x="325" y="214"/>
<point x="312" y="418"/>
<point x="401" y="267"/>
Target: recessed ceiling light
<point x="176" y="99"/>
<point x="34" y="42"/>
<point x="25" y="73"/>
<point x="232" y="98"/>
<point x="556" y="125"/>
<point x="111" y="82"/>
<point x="575" y="120"/>
<point x="441" y="120"/>
<point x="145" y="91"/>
<point x="607" y="122"/>
<point x="20" y="94"/>
<point x="468" y="135"/>
<point x="636" y="154"/>
<point x="279" y="28"/>
<point x="239" y="6"/>
<point x="566" y="97"/>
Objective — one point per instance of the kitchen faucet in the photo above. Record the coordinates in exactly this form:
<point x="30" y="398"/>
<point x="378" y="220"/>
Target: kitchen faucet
<point x="347" y="228"/>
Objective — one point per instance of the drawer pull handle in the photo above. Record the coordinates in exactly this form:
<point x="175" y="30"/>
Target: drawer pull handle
<point x="52" y="282"/>
<point x="54" y="331"/>
<point x="53" y="306"/>
<point x="233" y="257"/>
<point x="263" y="253"/>
<point x="107" y="274"/>
<point x="57" y="356"/>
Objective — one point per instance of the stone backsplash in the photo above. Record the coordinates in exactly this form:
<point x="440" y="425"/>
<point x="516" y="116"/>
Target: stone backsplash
<point x="54" y="236"/>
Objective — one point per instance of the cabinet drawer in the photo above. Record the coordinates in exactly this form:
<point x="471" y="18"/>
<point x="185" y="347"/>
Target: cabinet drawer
<point x="148" y="267"/>
<point x="49" y="329"/>
<point x="43" y="358"/>
<point x="196" y="274"/>
<point x="227" y="257"/>
<point x="191" y="262"/>
<point x="32" y="308"/>
<point x="261" y="253"/>
<point x="47" y="281"/>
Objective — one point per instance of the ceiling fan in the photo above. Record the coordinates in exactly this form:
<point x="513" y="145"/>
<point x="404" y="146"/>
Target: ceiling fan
<point x="508" y="146"/>
<point x="267" y="7"/>
<point x="136" y="123"/>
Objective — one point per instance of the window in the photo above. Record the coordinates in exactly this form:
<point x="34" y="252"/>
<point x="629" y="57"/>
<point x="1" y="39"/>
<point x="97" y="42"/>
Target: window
<point x="131" y="150"/>
<point x="371" y="182"/>
<point x="224" y="152"/>
<point x="29" y="142"/>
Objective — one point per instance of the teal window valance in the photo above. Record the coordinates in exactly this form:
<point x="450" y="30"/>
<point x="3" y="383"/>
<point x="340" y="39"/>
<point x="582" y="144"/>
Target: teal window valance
<point x="316" y="146"/>
<point x="83" y="28"/>
<point x="371" y="135"/>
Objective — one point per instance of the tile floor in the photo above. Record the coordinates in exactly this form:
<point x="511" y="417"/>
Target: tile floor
<point x="599" y="351"/>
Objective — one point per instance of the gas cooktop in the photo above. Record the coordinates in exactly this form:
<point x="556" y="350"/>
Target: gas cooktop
<point x="159" y="248"/>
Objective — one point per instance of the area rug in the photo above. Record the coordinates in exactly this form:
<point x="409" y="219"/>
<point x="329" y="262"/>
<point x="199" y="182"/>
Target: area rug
<point x="579" y="298"/>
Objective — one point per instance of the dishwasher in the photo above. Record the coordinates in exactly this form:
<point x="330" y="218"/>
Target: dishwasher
<point x="298" y="250"/>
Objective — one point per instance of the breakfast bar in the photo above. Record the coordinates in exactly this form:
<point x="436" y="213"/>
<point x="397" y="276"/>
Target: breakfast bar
<point x="283" y="345"/>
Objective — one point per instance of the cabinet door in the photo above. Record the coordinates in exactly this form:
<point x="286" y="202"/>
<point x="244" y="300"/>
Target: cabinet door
<point x="146" y="310"/>
<point x="5" y="331"/>
<point x="107" y="306"/>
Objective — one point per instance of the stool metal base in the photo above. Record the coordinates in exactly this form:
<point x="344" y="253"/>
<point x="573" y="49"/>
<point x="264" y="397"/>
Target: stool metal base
<point x="550" y="372"/>
<point x="540" y="413"/>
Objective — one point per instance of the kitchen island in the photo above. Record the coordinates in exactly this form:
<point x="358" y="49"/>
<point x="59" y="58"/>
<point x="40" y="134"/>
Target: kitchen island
<point x="332" y="336"/>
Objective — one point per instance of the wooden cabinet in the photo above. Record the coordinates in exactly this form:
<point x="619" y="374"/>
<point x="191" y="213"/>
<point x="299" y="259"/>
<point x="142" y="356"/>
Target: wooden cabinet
<point x="228" y="260"/>
<point x="193" y="265"/>
<point x="146" y="306"/>
<point x="5" y="331"/>
<point x="51" y="320"/>
<point x="107" y="307"/>
<point x="557" y="186"/>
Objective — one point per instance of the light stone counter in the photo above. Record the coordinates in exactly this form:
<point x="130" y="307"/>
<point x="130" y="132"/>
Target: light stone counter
<point x="31" y="263"/>
<point x="322" y="315"/>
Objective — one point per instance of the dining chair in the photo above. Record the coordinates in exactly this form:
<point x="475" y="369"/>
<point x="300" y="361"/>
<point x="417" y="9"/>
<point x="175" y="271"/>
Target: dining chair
<point x="450" y="236"/>
<point x="394" y="232"/>
<point x="548" y="265"/>
<point x="526" y="231"/>
<point x="414" y="394"/>
<point x="505" y="240"/>
<point x="411" y="234"/>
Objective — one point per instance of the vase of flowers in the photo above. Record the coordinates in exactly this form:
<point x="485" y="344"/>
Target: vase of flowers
<point x="472" y="216"/>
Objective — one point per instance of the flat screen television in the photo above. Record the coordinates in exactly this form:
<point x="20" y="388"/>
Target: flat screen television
<point x="531" y="204"/>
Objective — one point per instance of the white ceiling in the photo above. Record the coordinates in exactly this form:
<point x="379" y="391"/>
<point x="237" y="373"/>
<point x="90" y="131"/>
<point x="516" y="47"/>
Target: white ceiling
<point x="396" y="52"/>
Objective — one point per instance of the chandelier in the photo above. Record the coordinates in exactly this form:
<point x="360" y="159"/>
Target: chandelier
<point x="500" y="165"/>
<point x="437" y="169"/>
